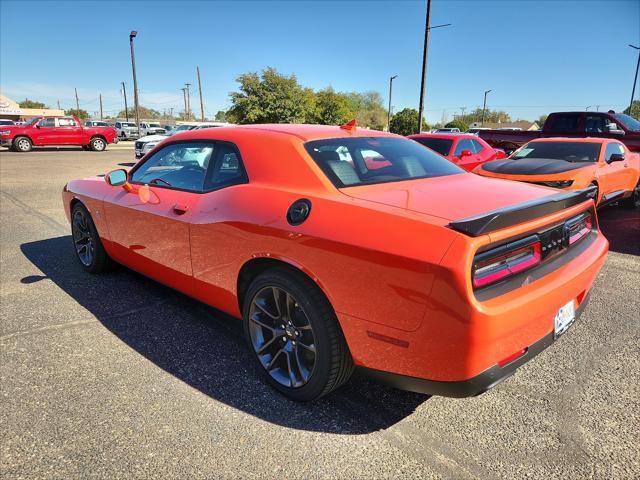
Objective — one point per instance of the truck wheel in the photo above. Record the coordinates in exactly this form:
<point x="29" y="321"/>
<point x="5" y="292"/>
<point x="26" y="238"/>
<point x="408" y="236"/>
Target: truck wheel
<point x="97" y="144"/>
<point x="22" y="144"/>
<point x="294" y="335"/>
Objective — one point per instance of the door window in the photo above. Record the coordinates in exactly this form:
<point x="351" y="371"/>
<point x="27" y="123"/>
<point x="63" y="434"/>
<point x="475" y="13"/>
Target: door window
<point x="67" y="122"/>
<point x="478" y="147"/>
<point x="181" y="166"/>
<point x="47" y="122"/>
<point x="227" y="169"/>
<point x="565" y="123"/>
<point x="613" y="148"/>
<point x="463" y="144"/>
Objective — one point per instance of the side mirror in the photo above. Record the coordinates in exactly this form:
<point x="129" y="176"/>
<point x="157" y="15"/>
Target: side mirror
<point x="465" y="153"/>
<point x="616" y="157"/>
<point x="116" y="178"/>
<point x="38" y="125"/>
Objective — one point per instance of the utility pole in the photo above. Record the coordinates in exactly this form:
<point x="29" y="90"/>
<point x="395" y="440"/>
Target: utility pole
<point x="200" y="92"/>
<point x="77" y="103"/>
<point x="188" y="99"/>
<point x="635" y="78"/>
<point x="484" y="107"/>
<point x="132" y="35"/>
<point x="171" y="112"/>
<point x="184" y="93"/>
<point x="126" y="109"/>
<point x="100" y="106"/>
<point x="58" y="104"/>
<point x="389" y="112"/>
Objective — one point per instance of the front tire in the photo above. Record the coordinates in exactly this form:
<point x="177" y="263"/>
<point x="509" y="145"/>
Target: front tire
<point x="634" y="200"/>
<point x="89" y="250"/>
<point x="22" y="144"/>
<point x="295" y="336"/>
<point x="97" y="144"/>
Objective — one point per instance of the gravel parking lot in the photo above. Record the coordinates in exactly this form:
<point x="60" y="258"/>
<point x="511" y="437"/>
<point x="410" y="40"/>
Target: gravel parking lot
<point x="116" y="376"/>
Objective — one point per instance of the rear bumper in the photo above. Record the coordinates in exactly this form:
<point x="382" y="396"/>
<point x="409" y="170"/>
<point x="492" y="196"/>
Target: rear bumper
<point x="472" y="386"/>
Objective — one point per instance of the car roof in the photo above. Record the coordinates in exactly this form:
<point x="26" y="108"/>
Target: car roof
<point x="303" y="132"/>
<point x="574" y="140"/>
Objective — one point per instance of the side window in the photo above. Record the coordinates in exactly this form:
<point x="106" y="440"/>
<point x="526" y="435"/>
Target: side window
<point x="595" y="124"/>
<point x="613" y="148"/>
<point x="181" y="166"/>
<point x="68" y="122"/>
<point x="47" y="122"/>
<point x="565" y="123"/>
<point x="463" y="144"/>
<point x="477" y="146"/>
<point x="227" y="169"/>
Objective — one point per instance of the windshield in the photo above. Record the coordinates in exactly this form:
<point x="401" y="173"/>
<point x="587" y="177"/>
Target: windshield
<point x="440" y="145"/>
<point x="32" y="121"/>
<point x="124" y="124"/>
<point x="349" y="162"/>
<point x="181" y="128"/>
<point x="154" y="125"/>
<point x="568" y="151"/>
<point x="629" y="122"/>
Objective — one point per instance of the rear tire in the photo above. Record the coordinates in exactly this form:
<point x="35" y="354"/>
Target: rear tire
<point x="97" y="144"/>
<point x="22" y="144"/>
<point x="634" y="200"/>
<point x="89" y="250"/>
<point x="294" y="335"/>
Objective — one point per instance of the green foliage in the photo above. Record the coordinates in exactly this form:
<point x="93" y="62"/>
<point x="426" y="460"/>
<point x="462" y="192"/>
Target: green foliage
<point x="369" y="109"/>
<point x="143" y="112"/>
<point x="331" y="108"/>
<point x="490" y="116"/>
<point x="270" y="98"/>
<point x="26" y="103"/>
<point x="405" y="122"/>
<point x="81" y="114"/>
<point x="541" y="119"/>
<point x="221" y="116"/>
<point x="635" y="109"/>
<point x="457" y="123"/>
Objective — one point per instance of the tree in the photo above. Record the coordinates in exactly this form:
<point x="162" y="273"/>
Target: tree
<point x="368" y="108"/>
<point x="457" y="123"/>
<point x="143" y="112"/>
<point x="26" y="103"/>
<point x="331" y="108"/>
<point x="81" y="114"/>
<point x="541" y="119"/>
<point x="270" y="98"/>
<point x="221" y="116"/>
<point x="404" y="122"/>
<point x="635" y="109"/>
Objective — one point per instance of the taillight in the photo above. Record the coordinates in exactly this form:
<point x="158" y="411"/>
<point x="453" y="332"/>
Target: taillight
<point x="579" y="228"/>
<point x="494" y="265"/>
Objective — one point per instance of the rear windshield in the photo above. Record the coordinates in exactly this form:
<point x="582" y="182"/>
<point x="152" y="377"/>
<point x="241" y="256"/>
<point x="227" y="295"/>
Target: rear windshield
<point x="569" y="151"/>
<point x="367" y="160"/>
<point x="440" y="145"/>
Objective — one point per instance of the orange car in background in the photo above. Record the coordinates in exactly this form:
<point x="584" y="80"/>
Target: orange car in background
<point x="421" y="274"/>
<point x="574" y="164"/>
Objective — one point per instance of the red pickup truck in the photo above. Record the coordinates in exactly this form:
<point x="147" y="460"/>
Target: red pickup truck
<point x="41" y="131"/>
<point x="574" y="125"/>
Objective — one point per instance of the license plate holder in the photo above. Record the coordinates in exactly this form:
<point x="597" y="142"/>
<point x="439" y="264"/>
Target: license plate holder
<point x="564" y="318"/>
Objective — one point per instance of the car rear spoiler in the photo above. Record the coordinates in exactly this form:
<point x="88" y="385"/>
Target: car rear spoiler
<point x="505" y="217"/>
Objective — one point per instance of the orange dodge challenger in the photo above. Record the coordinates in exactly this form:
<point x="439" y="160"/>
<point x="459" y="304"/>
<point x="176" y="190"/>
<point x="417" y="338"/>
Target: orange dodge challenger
<point x="573" y="164"/>
<point x="424" y="276"/>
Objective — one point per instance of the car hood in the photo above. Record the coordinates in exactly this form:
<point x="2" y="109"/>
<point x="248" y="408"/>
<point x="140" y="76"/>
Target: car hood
<point x="152" y="138"/>
<point x="532" y="166"/>
<point x="451" y="197"/>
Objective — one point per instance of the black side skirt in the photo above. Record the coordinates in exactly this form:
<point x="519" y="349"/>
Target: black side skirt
<point x="472" y="386"/>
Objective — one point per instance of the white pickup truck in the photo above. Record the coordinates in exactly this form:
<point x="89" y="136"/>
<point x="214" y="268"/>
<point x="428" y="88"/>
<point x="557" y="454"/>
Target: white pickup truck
<point x="126" y="130"/>
<point x="151" y="129"/>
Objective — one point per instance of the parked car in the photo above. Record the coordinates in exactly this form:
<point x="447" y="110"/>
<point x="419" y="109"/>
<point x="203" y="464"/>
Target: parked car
<point x="446" y="130"/>
<point x="40" y="131"/>
<point x="126" y="130"/>
<point x="419" y="273"/>
<point x="4" y="121"/>
<point x="146" y="144"/>
<point x="96" y="123"/>
<point x="150" y="129"/>
<point x="574" y="125"/>
<point x="466" y="151"/>
<point x="574" y="164"/>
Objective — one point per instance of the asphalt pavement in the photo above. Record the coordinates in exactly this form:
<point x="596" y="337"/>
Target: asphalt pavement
<point x="116" y="376"/>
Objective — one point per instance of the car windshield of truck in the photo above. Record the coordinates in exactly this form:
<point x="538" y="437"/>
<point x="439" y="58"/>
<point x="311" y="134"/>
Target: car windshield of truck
<point x="154" y="125"/>
<point x="32" y="121"/>
<point x="181" y="128"/>
<point x="349" y="162"/>
<point x="568" y="151"/>
<point x="124" y="124"/>
<point x="629" y="122"/>
<point x="440" y="145"/>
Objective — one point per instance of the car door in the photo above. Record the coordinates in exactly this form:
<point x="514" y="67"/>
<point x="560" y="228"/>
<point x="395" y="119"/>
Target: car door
<point x="47" y="133"/>
<point x="468" y="162"/>
<point x="149" y="225"/>
<point x="611" y="176"/>
<point x="70" y="133"/>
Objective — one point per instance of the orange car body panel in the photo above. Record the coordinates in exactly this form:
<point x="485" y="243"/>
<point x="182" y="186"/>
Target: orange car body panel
<point x="609" y="177"/>
<point x="382" y="254"/>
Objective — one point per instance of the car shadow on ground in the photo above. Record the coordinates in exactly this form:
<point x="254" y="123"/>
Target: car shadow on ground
<point x="205" y="348"/>
<point x="621" y="226"/>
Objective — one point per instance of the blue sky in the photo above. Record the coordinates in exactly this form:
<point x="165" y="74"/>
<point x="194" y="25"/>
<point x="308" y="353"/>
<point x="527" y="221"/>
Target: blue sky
<point x="536" y="56"/>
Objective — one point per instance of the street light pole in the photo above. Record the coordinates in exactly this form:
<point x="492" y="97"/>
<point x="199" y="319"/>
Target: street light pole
<point x="188" y="99"/>
<point x="184" y="94"/>
<point x="132" y="35"/>
<point x="635" y="78"/>
<point x="200" y="93"/>
<point x="389" y="112"/>
<point x="484" y="107"/>
<point x="126" y="109"/>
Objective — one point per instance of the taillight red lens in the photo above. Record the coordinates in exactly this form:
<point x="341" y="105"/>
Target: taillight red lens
<point x="502" y="262"/>
<point x="580" y="229"/>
